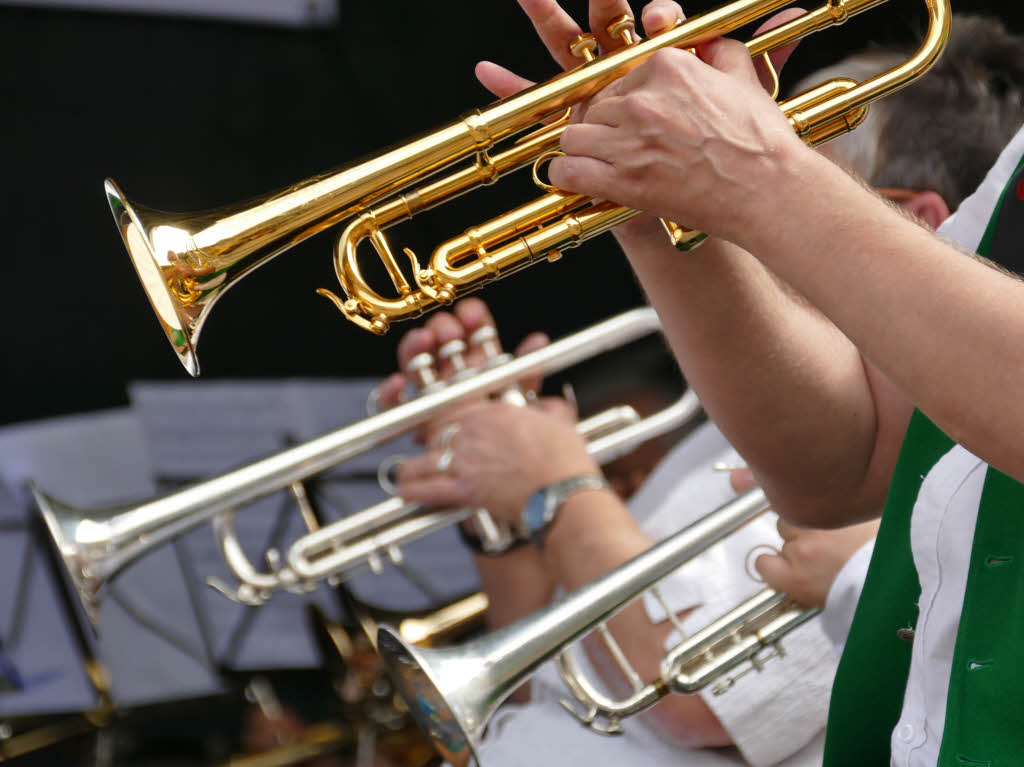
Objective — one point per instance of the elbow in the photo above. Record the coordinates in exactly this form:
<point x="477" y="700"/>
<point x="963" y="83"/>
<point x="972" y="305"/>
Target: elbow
<point x="825" y="511"/>
<point x="688" y="722"/>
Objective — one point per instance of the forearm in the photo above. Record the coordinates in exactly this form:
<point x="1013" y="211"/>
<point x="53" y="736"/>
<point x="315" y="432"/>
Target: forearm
<point x="594" y="534"/>
<point x="516" y="583"/>
<point x="945" y="328"/>
<point x="769" y="370"/>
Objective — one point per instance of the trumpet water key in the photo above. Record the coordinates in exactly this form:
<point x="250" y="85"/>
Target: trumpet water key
<point x="187" y="261"/>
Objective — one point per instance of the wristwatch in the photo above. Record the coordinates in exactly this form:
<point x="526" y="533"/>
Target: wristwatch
<point x="543" y="506"/>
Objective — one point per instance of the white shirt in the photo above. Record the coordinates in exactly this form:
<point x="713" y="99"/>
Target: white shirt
<point x="943" y="520"/>
<point x="775" y="717"/>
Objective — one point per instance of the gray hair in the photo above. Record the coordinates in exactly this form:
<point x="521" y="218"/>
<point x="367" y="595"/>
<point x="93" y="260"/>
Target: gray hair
<point x="944" y="131"/>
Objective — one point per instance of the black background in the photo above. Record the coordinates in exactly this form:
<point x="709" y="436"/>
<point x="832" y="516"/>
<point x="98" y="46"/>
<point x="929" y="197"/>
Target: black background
<point x="188" y="115"/>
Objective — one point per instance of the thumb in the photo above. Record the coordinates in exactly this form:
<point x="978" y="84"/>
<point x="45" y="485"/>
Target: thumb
<point x="742" y="480"/>
<point x="730" y="57"/>
<point x="779" y="56"/>
<point x="776" y="571"/>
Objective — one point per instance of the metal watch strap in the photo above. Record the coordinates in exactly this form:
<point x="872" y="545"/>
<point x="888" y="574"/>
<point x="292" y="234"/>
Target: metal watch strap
<point x="543" y="506"/>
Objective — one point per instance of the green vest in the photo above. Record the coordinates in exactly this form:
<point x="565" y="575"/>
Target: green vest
<point x="984" y="724"/>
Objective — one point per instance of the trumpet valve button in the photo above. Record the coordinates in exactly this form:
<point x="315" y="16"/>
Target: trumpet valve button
<point x="421" y="368"/>
<point x="623" y="28"/>
<point x="583" y="46"/>
<point x="454" y="353"/>
<point x="486" y="340"/>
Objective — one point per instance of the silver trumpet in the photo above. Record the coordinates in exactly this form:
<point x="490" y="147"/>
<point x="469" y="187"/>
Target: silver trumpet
<point x="95" y="544"/>
<point x="453" y="691"/>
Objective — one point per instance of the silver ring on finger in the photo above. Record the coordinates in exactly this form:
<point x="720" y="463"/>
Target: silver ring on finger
<point x="448" y="435"/>
<point x="444" y="461"/>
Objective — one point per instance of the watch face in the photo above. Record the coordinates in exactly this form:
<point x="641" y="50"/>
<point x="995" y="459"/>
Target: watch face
<point x="534" y="512"/>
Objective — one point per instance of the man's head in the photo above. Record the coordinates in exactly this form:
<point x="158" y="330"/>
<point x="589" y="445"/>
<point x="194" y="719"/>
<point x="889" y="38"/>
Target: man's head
<point x="939" y="135"/>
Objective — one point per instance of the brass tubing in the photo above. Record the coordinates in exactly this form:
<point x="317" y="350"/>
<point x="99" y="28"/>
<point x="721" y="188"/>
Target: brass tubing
<point x="186" y="262"/>
<point x="818" y="116"/>
<point x="887" y="82"/>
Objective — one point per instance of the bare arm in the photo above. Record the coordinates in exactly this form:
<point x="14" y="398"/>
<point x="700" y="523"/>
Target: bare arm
<point x="500" y="456"/>
<point x="594" y="534"/>
<point x="770" y="371"/>
<point x="769" y="368"/>
<point x="945" y="330"/>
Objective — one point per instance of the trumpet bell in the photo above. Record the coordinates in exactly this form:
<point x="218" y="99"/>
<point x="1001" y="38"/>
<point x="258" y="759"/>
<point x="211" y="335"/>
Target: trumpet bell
<point x="454" y="720"/>
<point x="170" y="282"/>
<point x="65" y="524"/>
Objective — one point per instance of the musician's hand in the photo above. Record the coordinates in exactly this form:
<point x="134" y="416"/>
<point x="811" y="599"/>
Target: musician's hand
<point x="695" y="142"/>
<point x="810" y="559"/>
<point x="467" y="316"/>
<point x="557" y="29"/>
<point x="500" y="455"/>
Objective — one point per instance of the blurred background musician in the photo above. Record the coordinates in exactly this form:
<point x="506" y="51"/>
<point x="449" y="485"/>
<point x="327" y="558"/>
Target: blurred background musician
<point x="969" y="79"/>
<point x="502" y="455"/>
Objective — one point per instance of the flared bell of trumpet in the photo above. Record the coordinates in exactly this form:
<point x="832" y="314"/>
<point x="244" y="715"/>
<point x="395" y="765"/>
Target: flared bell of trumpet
<point x="83" y="544"/>
<point x="186" y="262"/>
<point x="446" y="692"/>
<point x="180" y="318"/>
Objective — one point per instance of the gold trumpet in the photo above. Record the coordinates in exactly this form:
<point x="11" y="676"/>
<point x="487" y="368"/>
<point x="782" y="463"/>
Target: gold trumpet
<point x="187" y="261"/>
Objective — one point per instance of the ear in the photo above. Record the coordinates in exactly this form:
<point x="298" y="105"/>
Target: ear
<point x="927" y="206"/>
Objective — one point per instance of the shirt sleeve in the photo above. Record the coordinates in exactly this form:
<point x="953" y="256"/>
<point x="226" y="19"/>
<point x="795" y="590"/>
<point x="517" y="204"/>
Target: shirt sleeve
<point x="837" y="617"/>
<point x="773" y="713"/>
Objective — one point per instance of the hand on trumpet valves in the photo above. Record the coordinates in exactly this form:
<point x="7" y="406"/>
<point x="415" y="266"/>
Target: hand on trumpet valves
<point x="617" y="162"/>
<point x="458" y="343"/>
<point x="810" y="559"/>
<point x="502" y="454"/>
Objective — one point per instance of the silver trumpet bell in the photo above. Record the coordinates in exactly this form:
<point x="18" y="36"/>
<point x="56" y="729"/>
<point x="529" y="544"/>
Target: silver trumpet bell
<point x="453" y="691"/>
<point x="95" y="544"/>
